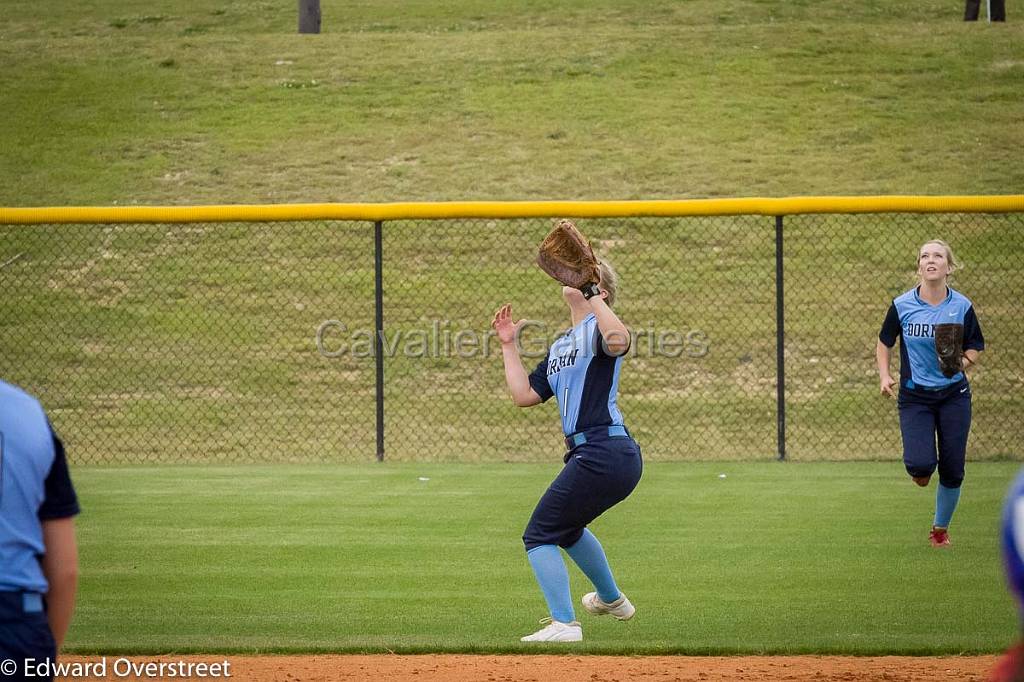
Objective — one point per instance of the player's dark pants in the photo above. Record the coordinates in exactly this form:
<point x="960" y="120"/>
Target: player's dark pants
<point x="945" y="413"/>
<point x="597" y="475"/>
<point x="24" y="634"/>
<point x="972" y="8"/>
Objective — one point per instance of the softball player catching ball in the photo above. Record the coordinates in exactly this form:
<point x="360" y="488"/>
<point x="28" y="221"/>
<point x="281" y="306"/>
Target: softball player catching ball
<point x="602" y="463"/>
<point x="934" y="401"/>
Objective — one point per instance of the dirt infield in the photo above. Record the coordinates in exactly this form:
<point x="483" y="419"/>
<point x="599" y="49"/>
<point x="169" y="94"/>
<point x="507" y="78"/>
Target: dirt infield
<point x="467" y="668"/>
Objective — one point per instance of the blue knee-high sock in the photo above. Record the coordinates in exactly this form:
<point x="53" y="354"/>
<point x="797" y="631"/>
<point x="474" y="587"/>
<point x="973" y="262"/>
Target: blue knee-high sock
<point x="945" y="504"/>
<point x="589" y="556"/>
<point x="553" y="578"/>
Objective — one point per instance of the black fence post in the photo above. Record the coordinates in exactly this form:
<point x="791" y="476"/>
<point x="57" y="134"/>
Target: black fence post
<point x="309" y="16"/>
<point x="378" y="346"/>
<point x="780" y="342"/>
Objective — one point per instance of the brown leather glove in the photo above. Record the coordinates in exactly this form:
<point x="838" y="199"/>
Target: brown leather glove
<point x="566" y="255"/>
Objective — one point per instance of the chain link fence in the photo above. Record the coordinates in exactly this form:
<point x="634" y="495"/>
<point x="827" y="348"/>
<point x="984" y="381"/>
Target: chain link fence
<point x="256" y="342"/>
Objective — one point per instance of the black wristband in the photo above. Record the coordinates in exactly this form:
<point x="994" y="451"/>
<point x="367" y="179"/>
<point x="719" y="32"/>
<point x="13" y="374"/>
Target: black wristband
<point x="590" y="290"/>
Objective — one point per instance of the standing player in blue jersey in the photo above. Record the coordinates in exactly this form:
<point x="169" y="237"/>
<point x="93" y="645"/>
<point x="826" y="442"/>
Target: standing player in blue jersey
<point x="932" y="404"/>
<point x="38" y="554"/>
<point x="602" y="463"/>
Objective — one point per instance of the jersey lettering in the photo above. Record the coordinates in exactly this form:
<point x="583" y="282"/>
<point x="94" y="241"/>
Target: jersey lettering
<point x="556" y="365"/>
<point x="920" y="331"/>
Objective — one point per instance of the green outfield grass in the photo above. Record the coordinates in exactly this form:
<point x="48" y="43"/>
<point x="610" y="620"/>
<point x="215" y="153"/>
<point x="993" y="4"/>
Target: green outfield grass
<point x="810" y="558"/>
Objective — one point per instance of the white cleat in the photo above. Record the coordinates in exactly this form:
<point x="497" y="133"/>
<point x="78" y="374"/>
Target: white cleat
<point x="556" y="631"/>
<point x="621" y="608"/>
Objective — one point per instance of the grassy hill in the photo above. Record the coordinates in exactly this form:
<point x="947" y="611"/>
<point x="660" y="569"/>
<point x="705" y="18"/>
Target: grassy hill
<point x="122" y="101"/>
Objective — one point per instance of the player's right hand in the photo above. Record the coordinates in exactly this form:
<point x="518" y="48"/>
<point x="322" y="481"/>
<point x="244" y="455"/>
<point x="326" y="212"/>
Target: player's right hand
<point x="886" y="386"/>
<point x="502" y="323"/>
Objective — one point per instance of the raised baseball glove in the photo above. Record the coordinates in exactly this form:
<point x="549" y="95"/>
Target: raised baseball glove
<point x="566" y="255"/>
<point x="949" y="347"/>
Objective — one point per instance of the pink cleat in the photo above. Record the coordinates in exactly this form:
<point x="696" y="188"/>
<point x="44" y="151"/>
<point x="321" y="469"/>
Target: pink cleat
<point x="939" y="537"/>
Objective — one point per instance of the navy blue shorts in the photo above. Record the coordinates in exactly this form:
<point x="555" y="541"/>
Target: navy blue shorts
<point x="25" y="632"/>
<point x="929" y="416"/>
<point x="597" y="475"/>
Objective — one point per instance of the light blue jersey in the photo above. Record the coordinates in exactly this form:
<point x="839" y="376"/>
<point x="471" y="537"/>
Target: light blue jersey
<point x="34" y="486"/>
<point x="582" y="376"/>
<point x="913" y="320"/>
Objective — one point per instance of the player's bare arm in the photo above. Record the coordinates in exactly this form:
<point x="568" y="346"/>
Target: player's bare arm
<point x="883" y="356"/>
<point x="515" y="374"/>
<point x="60" y="566"/>
<point x="613" y="331"/>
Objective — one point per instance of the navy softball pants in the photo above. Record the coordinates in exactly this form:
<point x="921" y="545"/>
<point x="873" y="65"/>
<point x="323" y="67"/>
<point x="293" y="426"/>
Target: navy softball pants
<point x="597" y="475"/>
<point x="25" y="633"/>
<point x="930" y="417"/>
